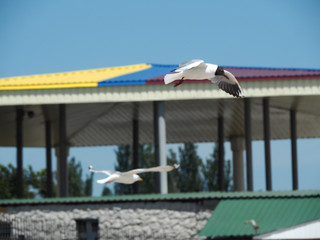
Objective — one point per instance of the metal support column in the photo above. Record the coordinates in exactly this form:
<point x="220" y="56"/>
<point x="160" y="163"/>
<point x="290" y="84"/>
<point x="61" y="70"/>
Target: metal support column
<point x="19" y="139"/>
<point x="266" y="128"/>
<point x="237" y="147"/>
<point x="220" y="154"/>
<point x="247" y="127"/>
<point x="135" y="149"/>
<point x="62" y="158"/>
<point x="293" y="130"/>
<point x="160" y="143"/>
<point x="49" y="158"/>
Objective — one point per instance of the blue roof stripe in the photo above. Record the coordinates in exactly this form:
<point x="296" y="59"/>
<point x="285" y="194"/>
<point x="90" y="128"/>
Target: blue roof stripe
<point x="138" y="78"/>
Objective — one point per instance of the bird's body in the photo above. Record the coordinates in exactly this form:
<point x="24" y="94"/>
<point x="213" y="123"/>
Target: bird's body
<point x="199" y="70"/>
<point x="130" y="176"/>
<point x="253" y="224"/>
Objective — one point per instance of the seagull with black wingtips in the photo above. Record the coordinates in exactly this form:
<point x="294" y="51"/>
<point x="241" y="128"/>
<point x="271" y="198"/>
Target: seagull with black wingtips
<point x="197" y="69"/>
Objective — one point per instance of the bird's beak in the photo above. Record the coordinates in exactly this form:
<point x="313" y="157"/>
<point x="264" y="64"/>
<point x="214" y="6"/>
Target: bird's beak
<point x="140" y="179"/>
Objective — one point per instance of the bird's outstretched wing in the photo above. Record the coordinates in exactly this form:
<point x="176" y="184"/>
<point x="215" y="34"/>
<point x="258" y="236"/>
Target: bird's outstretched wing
<point x="107" y="180"/>
<point x="228" y="84"/>
<point x="107" y="172"/>
<point x="153" y="169"/>
<point x="188" y="65"/>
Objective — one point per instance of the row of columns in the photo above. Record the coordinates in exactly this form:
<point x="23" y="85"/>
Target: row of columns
<point x="61" y="154"/>
<point x="237" y="146"/>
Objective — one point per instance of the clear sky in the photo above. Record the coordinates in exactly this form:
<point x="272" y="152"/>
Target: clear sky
<point x="39" y="36"/>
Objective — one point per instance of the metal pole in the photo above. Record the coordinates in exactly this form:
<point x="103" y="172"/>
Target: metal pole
<point x="237" y="147"/>
<point x="135" y="150"/>
<point x="19" y="139"/>
<point x="160" y="143"/>
<point x="62" y="161"/>
<point x="266" y="128"/>
<point x="156" y="144"/>
<point x="247" y="126"/>
<point x="221" y="154"/>
<point x="293" y="129"/>
<point x="49" y="158"/>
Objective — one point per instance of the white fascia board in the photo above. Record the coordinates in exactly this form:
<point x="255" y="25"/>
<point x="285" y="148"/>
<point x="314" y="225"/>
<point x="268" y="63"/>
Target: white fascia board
<point x="157" y="92"/>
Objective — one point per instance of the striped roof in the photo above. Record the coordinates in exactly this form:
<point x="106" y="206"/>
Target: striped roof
<point x="139" y="74"/>
<point x="229" y="217"/>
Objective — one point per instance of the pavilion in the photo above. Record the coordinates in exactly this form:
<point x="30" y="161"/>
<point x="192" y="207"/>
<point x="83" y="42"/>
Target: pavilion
<point x="131" y="105"/>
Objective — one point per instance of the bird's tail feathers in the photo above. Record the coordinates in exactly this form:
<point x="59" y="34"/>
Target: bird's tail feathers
<point x="171" y="77"/>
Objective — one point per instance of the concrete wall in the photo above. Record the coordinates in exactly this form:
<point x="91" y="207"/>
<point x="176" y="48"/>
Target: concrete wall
<point x="126" y="220"/>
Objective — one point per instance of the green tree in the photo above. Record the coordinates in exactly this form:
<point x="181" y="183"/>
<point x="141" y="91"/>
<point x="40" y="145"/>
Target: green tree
<point x="8" y="182"/>
<point x="106" y="191"/>
<point x="189" y="172"/>
<point x="124" y="163"/>
<point x="87" y="190"/>
<point x="35" y="183"/>
<point x="147" y="160"/>
<point x="173" y="177"/>
<point x="210" y="172"/>
<point x="76" y="186"/>
<point x="38" y="181"/>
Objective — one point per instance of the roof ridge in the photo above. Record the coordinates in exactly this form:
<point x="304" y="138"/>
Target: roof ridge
<point x="273" y="68"/>
<point x="169" y="196"/>
<point x="245" y="67"/>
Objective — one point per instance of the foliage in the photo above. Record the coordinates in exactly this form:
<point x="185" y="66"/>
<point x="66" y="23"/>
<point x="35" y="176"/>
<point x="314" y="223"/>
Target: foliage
<point x="106" y="191"/>
<point x="210" y="172"/>
<point x="173" y="177"/>
<point x="8" y="182"/>
<point x="78" y="187"/>
<point x="124" y="163"/>
<point x="147" y="160"/>
<point x="34" y="183"/>
<point x="189" y="172"/>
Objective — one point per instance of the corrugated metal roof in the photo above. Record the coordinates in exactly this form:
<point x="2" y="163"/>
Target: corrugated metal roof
<point x="139" y="74"/>
<point x="256" y="73"/>
<point x="75" y="79"/>
<point x="166" y="197"/>
<point x="228" y="219"/>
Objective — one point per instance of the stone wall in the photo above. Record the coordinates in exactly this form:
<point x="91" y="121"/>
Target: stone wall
<point x="122" y="220"/>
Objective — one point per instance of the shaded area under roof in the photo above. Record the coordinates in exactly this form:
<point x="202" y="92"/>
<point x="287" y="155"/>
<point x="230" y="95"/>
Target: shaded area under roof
<point x="98" y="124"/>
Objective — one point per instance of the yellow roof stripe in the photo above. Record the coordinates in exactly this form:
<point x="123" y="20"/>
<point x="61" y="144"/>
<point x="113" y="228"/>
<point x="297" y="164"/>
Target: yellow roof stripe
<point x="84" y="78"/>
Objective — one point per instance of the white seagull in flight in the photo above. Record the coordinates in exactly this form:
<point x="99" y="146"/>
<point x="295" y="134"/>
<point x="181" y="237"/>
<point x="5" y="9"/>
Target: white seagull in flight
<point x="253" y="223"/>
<point x="199" y="70"/>
<point x="130" y="176"/>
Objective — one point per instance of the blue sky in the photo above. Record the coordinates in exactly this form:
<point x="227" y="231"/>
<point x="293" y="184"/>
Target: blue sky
<point x="55" y="36"/>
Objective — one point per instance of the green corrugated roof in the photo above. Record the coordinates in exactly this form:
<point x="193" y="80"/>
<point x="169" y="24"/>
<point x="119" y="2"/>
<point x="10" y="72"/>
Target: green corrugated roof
<point x="164" y="197"/>
<point x="228" y="219"/>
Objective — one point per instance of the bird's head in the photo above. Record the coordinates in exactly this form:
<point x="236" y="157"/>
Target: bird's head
<point x="137" y="178"/>
<point x="220" y="72"/>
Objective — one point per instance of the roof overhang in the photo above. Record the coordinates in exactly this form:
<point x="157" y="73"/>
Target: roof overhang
<point x="158" y="92"/>
<point x="102" y="114"/>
